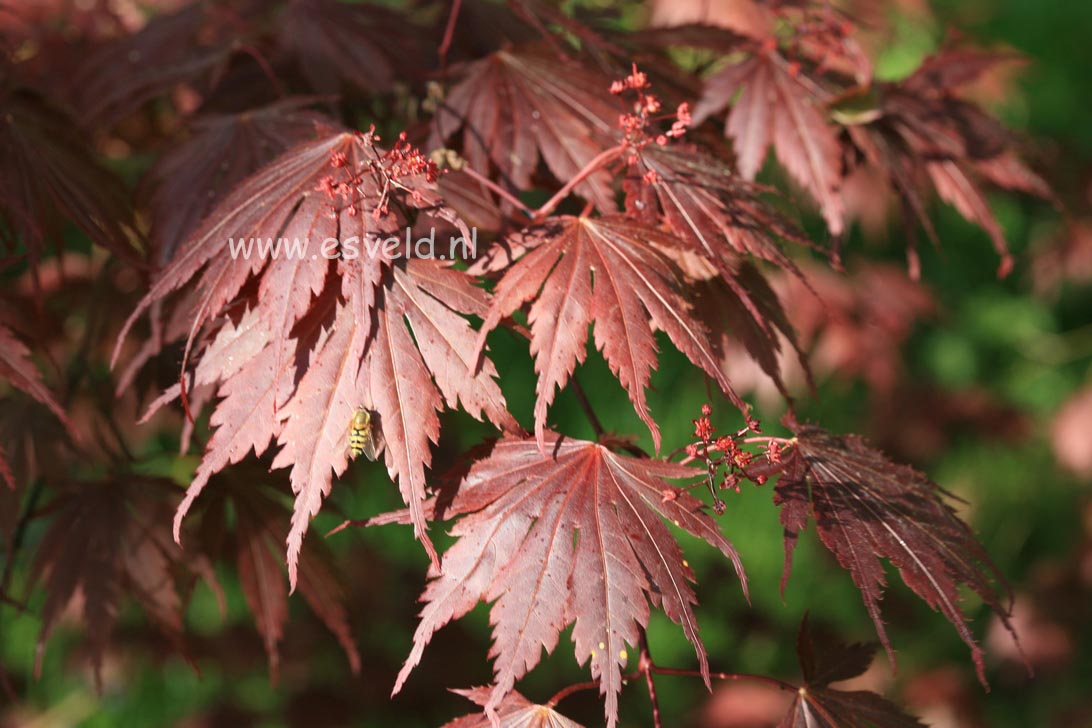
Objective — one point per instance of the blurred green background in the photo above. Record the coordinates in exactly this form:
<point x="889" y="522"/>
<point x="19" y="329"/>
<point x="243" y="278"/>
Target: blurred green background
<point x="1022" y="353"/>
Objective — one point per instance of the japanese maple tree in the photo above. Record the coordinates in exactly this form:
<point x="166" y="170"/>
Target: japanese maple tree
<point x="604" y="186"/>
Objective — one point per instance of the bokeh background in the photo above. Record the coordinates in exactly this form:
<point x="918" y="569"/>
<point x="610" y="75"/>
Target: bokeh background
<point x="986" y="385"/>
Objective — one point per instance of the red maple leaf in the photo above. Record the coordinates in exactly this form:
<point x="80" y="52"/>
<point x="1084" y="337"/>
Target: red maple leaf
<point x="708" y="206"/>
<point x="419" y="356"/>
<point x="919" y="133"/>
<point x="517" y="106"/>
<point x="221" y="151"/>
<point x="866" y="508"/>
<point x="573" y="537"/>
<point x="338" y="186"/>
<point x="778" y="105"/>
<point x="515" y="711"/>
<point x="606" y="270"/>
<point x="817" y="705"/>
<point x="474" y="203"/>
<point x="312" y="339"/>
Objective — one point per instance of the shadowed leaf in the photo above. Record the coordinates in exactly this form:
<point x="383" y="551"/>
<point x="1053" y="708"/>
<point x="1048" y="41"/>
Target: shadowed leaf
<point x="49" y="175"/>
<point x="362" y="46"/>
<point x="817" y="705"/>
<point x="108" y="539"/>
<point x="220" y="151"/>
<point x="866" y="508"/>
<point x="189" y="46"/>
<point x="19" y="370"/>
<point x="259" y="535"/>
<point x="920" y="134"/>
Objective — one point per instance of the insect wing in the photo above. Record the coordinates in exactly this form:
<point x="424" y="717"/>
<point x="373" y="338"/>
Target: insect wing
<point x="373" y="443"/>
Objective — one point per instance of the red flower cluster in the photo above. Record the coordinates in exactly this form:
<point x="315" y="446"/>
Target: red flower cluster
<point x="635" y="125"/>
<point x="388" y="170"/>
<point x="720" y="452"/>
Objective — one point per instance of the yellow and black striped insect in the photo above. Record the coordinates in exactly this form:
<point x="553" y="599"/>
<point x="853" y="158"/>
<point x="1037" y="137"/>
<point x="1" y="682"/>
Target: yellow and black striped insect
<point x="364" y="435"/>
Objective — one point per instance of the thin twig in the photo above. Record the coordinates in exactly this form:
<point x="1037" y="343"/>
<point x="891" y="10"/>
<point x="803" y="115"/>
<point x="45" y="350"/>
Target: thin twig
<point x="585" y="404"/>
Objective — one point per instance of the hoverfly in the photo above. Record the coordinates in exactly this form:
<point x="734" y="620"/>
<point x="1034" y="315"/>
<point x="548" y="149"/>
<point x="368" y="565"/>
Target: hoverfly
<point x="364" y="435"/>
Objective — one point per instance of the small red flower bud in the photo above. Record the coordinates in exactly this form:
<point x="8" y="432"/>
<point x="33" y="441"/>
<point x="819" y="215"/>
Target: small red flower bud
<point x="682" y="114"/>
<point x="773" y="452"/>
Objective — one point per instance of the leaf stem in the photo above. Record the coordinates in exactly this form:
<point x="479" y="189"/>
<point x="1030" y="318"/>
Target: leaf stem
<point x="567" y="691"/>
<point x="764" y="438"/>
<point x="608" y="155"/>
<point x="449" y="32"/>
<point x="494" y="187"/>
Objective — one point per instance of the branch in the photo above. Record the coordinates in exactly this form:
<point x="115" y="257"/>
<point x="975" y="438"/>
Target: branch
<point x="585" y="404"/>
